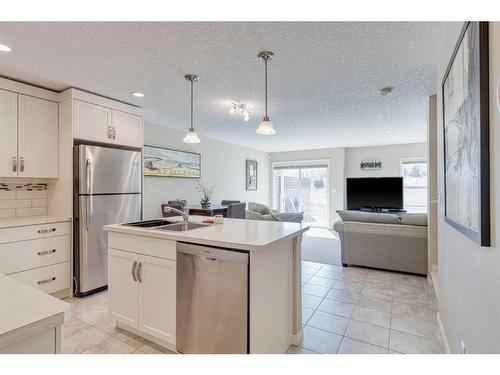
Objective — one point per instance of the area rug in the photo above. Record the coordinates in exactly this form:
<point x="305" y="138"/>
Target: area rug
<point x="321" y="246"/>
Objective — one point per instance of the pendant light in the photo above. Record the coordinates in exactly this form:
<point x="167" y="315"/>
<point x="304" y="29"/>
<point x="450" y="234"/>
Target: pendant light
<point x="191" y="136"/>
<point x="266" y="127"/>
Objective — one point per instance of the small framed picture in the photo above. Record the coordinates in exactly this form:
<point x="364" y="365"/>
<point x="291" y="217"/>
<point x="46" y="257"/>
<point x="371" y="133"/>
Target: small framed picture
<point x="251" y="174"/>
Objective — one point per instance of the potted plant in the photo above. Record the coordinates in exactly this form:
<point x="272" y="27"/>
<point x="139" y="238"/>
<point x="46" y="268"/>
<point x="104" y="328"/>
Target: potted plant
<point x="206" y="191"/>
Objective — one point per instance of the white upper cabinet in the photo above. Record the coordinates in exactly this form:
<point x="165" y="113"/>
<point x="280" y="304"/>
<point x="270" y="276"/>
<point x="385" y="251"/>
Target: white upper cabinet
<point x="96" y="123"/>
<point x="8" y="134"/>
<point x="127" y="129"/>
<point x="92" y="122"/>
<point x="38" y="137"/>
<point x="29" y="142"/>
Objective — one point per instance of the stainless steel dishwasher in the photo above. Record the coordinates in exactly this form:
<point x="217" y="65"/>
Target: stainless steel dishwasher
<point x="212" y="300"/>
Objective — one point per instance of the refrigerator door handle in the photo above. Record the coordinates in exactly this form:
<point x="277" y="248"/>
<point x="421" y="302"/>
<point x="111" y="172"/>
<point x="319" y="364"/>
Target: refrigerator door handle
<point x="89" y="200"/>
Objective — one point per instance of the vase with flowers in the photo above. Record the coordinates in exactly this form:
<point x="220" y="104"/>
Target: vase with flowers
<point x="206" y="192"/>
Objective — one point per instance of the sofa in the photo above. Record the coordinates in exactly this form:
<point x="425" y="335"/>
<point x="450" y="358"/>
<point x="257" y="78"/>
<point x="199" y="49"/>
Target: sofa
<point x="258" y="211"/>
<point x="396" y="242"/>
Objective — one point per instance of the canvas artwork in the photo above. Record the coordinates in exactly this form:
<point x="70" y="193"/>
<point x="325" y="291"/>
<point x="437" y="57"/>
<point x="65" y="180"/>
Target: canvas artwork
<point x="251" y="175"/>
<point x="464" y="137"/>
<point x="164" y="162"/>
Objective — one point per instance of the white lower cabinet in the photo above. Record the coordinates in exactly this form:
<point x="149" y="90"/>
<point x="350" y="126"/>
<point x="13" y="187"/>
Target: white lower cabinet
<point x="142" y="293"/>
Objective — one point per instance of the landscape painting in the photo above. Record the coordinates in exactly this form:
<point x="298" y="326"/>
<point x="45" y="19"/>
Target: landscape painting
<point x="466" y="139"/>
<point x="165" y="162"/>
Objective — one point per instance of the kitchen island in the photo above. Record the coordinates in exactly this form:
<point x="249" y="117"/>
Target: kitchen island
<point x="148" y="269"/>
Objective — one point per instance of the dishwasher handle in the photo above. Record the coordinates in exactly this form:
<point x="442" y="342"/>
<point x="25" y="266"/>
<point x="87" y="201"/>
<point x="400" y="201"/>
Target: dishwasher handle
<point x="213" y="254"/>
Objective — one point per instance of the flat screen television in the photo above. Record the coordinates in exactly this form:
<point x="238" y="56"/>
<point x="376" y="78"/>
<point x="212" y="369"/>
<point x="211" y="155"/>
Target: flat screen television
<point x="375" y="193"/>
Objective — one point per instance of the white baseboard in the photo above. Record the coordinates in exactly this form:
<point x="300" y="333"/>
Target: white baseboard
<point x="443" y="334"/>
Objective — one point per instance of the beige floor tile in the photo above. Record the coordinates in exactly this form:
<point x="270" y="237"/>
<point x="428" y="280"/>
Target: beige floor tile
<point x="336" y="307"/>
<point x="311" y="302"/>
<point x="331" y="267"/>
<point x="83" y="340"/>
<point x="365" y="314"/>
<point x="320" y="341"/>
<point x="305" y="279"/>
<point x="73" y="326"/>
<point x="344" y="295"/>
<point x="308" y="271"/>
<point x="349" y="284"/>
<point x="411" y="344"/>
<point x="315" y="290"/>
<point x="298" y="350"/>
<point x="330" y="274"/>
<point x="414" y="311"/>
<point x="368" y="333"/>
<point x="323" y="281"/>
<point x="328" y="322"/>
<point x="385" y="294"/>
<point x="130" y="338"/>
<point x="375" y="303"/>
<point x="351" y="346"/>
<point x="414" y="326"/>
<point x="152" y="348"/>
<point x="306" y="315"/>
<point x="314" y="265"/>
<point x="110" y="346"/>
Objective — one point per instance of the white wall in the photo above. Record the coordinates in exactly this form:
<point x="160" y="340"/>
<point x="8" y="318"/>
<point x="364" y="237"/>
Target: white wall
<point x="389" y="155"/>
<point x="469" y="275"/>
<point x="336" y="180"/>
<point x="222" y="165"/>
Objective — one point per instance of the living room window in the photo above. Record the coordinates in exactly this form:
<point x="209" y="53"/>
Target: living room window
<point x="302" y="188"/>
<point x="414" y="172"/>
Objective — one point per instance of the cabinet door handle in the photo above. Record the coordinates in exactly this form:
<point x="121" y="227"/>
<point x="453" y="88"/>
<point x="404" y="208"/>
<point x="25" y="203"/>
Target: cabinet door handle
<point x="134" y="267"/>
<point x="46" y="252"/>
<point x="114" y="132"/>
<point x="46" y="281"/>
<point x="42" y="231"/>
<point x="110" y="132"/>
<point x="14" y="164"/>
<point x="139" y="272"/>
<point x="21" y="160"/>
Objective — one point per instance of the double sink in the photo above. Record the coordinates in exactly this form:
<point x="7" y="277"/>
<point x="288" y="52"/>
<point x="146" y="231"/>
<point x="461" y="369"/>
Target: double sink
<point x="163" y="224"/>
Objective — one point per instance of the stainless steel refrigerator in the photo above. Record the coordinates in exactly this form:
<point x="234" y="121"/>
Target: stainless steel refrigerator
<point x="107" y="191"/>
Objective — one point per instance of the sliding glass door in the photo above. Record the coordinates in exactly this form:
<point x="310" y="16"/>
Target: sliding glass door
<point x="303" y="189"/>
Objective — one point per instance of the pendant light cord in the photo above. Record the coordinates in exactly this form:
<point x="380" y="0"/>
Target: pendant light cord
<point x="266" y="83"/>
<point x="192" y="129"/>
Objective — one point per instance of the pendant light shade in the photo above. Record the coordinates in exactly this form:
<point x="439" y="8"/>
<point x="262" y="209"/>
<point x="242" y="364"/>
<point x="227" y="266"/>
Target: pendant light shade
<point x="191" y="136"/>
<point x="266" y="127"/>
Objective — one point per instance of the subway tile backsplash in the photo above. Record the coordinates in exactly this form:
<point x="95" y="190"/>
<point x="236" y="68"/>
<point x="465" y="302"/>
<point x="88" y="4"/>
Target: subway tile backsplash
<point x="23" y="197"/>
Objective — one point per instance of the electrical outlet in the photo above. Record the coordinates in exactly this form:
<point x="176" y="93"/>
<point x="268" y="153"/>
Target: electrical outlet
<point x="462" y="347"/>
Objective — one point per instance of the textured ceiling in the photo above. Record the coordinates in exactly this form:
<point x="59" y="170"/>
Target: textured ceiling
<point x="323" y="81"/>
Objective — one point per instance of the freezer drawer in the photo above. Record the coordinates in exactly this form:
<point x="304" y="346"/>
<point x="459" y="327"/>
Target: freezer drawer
<point x="212" y="300"/>
<point x="95" y="211"/>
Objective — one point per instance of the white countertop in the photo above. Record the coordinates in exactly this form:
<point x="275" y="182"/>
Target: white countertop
<point x="234" y="233"/>
<point x="30" y="220"/>
<point x="26" y="311"/>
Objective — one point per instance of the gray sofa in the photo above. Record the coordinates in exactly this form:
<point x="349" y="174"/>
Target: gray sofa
<point x="395" y="242"/>
<point x="257" y="211"/>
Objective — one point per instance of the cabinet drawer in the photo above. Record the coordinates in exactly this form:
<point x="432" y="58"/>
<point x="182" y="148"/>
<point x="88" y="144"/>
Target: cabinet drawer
<point x="26" y="255"/>
<point x="49" y="279"/>
<point x="155" y="247"/>
<point x="32" y="232"/>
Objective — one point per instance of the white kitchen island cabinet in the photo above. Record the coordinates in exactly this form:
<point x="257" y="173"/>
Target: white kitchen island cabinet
<point x="143" y="276"/>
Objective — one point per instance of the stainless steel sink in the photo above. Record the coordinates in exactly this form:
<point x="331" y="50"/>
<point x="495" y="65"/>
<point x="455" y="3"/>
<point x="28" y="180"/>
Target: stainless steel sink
<point x="180" y="227"/>
<point x="149" y="223"/>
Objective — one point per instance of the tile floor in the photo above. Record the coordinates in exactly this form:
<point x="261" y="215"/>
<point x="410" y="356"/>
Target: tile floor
<point x="363" y="311"/>
<point x="345" y="310"/>
<point x="91" y="331"/>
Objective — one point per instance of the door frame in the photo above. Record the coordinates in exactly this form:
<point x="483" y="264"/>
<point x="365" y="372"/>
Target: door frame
<point x="303" y="163"/>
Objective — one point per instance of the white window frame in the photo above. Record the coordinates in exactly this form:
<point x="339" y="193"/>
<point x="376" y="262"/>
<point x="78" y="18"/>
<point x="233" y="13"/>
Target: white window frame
<point x="303" y="164"/>
<point x="409" y="161"/>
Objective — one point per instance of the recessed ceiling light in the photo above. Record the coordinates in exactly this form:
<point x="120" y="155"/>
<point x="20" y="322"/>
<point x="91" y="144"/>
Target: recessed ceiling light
<point x="387" y="90"/>
<point x="388" y="131"/>
<point x="297" y="140"/>
<point x="4" y="48"/>
<point x="138" y="94"/>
